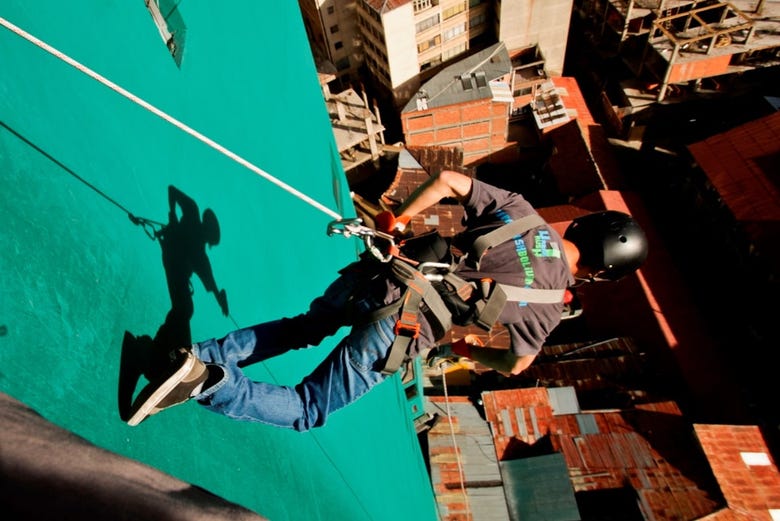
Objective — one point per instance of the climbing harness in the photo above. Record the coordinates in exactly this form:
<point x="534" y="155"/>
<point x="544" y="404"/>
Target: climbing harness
<point x="426" y="268"/>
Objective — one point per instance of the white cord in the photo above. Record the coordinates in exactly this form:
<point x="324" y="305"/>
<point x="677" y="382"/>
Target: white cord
<point x="461" y="475"/>
<point x="170" y="119"/>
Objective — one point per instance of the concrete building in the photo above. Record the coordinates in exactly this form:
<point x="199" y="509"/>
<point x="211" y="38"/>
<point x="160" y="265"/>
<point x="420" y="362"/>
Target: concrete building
<point x="358" y="130"/>
<point x="471" y="104"/>
<point x="673" y="48"/>
<point x="331" y="26"/>
<point x="466" y="105"/>
<point x="403" y="39"/>
<point x="524" y="23"/>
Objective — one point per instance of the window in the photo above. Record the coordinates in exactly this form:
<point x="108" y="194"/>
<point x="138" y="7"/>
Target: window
<point x="477" y="20"/>
<point x="452" y="11"/>
<point x="419" y="5"/>
<point x="338" y="45"/>
<point x="334" y="29"/>
<point x="454" y="51"/>
<point x="331" y="9"/>
<point x="431" y="63"/>
<point x="453" y="32"/>
<point x="427" y="23"/>
<point x="433" y="42"/>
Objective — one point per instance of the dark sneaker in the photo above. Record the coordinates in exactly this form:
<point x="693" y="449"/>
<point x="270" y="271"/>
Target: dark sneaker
<point x="187" y="372"/>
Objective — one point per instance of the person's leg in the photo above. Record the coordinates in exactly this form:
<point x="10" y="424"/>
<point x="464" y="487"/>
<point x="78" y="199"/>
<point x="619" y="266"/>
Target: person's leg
<point x="326" y="315"/>
<point x="345" y="375"/>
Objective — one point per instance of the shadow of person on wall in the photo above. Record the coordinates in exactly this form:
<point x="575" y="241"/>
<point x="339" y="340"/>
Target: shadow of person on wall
<point x="183" y="243"/>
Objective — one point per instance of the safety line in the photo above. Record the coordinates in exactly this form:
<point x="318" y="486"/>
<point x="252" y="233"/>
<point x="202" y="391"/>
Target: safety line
<point x="170" y="119"/>
<point x="461" y="474"/>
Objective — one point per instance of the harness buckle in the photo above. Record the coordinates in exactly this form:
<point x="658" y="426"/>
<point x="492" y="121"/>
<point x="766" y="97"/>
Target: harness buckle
<point x="437" y="270"/>
<point x="410" y="330"/>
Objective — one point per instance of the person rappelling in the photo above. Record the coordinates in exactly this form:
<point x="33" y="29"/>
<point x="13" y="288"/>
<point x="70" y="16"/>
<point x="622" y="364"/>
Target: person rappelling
<point x="515" y="272"/>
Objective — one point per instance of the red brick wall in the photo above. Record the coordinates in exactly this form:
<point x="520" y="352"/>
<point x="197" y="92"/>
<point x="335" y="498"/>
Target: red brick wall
<point x="478" y="127"/>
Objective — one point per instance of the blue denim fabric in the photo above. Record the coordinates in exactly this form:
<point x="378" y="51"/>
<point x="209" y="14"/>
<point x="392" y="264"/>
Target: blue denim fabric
<point x="346" y="374"/>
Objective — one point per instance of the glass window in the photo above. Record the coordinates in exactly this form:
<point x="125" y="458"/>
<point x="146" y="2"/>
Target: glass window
<point x="427" y="23"/>
<point x="452" y="11"/>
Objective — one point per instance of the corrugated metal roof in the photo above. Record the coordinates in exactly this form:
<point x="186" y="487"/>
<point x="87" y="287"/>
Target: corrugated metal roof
<point x="563" y="400"/>
<point x="540" y="489"/>
<point x="482" y="478"/>
<point x="648" y="449"/>
<point x="462" y="81"/>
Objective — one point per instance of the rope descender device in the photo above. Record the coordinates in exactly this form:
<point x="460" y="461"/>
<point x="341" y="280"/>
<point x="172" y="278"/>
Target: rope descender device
<point x="354" y="227"/>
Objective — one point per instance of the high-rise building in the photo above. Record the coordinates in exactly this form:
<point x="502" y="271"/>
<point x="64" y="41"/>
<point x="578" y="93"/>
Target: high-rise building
<point x="331" y="26"/>
<point x="403" y="42"/>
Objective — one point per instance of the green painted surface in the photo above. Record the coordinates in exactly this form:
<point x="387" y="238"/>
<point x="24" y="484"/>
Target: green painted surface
<point x="77" y="274"/>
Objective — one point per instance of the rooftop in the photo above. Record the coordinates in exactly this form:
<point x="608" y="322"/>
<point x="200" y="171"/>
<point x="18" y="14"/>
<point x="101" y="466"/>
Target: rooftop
<point x="467" y="80"/>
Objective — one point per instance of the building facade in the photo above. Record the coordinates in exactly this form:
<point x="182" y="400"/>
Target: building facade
<point x="404" y="41"/>
<point x="331" y="26"/>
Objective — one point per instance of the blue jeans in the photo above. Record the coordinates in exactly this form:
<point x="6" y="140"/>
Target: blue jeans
<point x="346" y="374"/>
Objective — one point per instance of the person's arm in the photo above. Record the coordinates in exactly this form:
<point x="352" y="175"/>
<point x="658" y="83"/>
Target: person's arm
<point x="502" y="360"/>
<point x="446" y="184"/>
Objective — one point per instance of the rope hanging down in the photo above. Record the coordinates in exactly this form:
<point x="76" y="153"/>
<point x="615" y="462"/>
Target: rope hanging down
<point x="170" y="119"/>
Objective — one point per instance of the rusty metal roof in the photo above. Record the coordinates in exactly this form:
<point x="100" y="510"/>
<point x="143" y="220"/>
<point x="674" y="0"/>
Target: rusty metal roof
<point x="648" y="449"/>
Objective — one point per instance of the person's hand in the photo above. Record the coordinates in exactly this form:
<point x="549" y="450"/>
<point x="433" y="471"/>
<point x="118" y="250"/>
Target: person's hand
<point x="448" y="353"/>
<point x="388" y="223"/>
<point x="223" y="303"/>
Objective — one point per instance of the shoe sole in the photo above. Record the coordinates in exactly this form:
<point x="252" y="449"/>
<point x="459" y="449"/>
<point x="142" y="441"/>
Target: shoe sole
<point x="148" y="406"/>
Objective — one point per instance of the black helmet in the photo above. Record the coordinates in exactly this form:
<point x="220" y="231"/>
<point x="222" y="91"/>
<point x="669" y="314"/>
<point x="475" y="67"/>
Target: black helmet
<point x="609" y="242"/>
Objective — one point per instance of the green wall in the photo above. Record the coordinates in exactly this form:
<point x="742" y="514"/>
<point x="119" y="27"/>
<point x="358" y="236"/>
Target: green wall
<point x="76" y="274"/>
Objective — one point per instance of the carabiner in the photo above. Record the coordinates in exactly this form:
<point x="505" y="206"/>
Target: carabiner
<point x="354" y="226"/>
<point x="349" y="227"/>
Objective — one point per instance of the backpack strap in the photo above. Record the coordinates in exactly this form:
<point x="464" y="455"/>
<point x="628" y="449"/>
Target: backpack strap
<point x="503" y="233"/>
<point x="535" y="295"/>
<point x="502" y="293"/>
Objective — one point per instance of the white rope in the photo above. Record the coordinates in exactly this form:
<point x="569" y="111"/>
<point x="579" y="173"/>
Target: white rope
<point x="170" y="119"/>
<point x="461" y="474"/>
